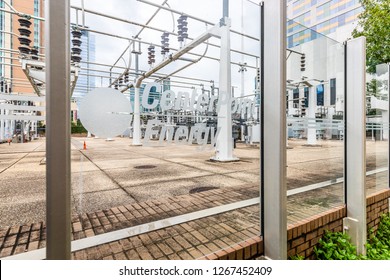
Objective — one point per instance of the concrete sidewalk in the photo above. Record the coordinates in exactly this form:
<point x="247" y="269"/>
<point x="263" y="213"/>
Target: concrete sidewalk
<point x="117" y="186"/>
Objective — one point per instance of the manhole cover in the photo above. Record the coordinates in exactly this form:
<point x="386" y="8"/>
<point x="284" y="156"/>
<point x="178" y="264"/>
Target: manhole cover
<point x="145" y="166"/>
<point x="202" y="189"/>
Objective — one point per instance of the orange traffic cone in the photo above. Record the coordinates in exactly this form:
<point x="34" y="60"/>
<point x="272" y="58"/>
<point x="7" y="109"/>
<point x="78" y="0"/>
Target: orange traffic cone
<point x="85" y="146"/>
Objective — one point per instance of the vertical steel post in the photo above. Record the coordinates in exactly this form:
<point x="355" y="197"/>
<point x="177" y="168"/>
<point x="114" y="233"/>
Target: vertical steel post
<point x="137" y="115"/>
<point x="355" y="143"/>
<point x="261" y="118"/>
<point x="311" y="117"/>
<point x="225" y="9"/>
<point x="274" y="131"/>
<point x="2" y="125"/>
<point x="58" y="191"/>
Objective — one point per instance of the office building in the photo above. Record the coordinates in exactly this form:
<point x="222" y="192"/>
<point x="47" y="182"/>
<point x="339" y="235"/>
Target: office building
<point x="333" y="18"/>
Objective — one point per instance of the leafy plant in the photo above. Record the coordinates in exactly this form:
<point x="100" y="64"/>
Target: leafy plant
<point x="378" y="245"/>
<point x="297" y="258"/>
<point x="374" y="24"/>
<point x="335" y="246"/>
<point x="338" y="246"/>
<point x="77" y="127"/>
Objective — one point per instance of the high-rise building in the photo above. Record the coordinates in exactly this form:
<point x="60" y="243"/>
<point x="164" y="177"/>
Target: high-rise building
<point x="2" y="27"/>
<point x="10" y="68"/>
<point x="86" y="81"/>
<point x="333" y="18"/>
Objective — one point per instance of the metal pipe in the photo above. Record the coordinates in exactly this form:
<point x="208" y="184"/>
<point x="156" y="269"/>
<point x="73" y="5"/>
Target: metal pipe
<point x="157" y="45"/>
<point x="253" y="2"/>
<point x="199" y="19"/>
<point x="195" y="18"/>
<point x="21" y="14"/>
<point x="10" y="6"/>
<point x="10" y="33"/>
<point x="157" y="29"/>
<point x="155" y="75"/>
<point x="142" y="29"/>
<point x="82" y="13"/>
<point x="225" y="8"/>
<point x="15" y="51"/>
<point x="186" y="66"/>
<point x="121" y="19"/>
<point x="6" y="57"/>
<point x="10" y="64"/>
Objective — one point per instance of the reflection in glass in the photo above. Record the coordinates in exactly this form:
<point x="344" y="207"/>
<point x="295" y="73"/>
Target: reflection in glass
<point x="377" y="129"/>
<point x="315" y="154"/>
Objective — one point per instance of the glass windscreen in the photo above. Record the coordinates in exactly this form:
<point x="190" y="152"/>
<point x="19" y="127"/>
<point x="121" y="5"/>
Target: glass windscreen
<point x="169" y="144"/>
<point x="377" y="129"/>
<point x="315" y="122"/>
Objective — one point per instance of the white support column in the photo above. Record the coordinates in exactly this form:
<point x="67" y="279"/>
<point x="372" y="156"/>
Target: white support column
<point x="290" y="109"/>
<point x="385" y="120"/>
<point x="329" y="130"/>
<point x="274" y="121"/>
<point x="137" y="119"/>
<point x="355" y="142"/>
<point x="137" y="115"/>
<point x="7" y="127"/>
<point x="311" y="115"/>
<point x="224" y="144"/>
<point x="2" y="126"/>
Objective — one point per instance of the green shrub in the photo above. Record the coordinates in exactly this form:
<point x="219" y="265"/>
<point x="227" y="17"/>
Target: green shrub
<point x="78" y="129"/>
<point x="297" y="258"/>
<point x="378" y="245"/>
<point x="337" y="245"/>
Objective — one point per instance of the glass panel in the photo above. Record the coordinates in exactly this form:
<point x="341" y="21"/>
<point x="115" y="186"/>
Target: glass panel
<point x="332" y="91"/>
<point x="315" y="152"/>
<point x="184" y="169"/>
<point x="22" y="137"/>
<point x="22" y="170"/>
<point x="377" y="126"/>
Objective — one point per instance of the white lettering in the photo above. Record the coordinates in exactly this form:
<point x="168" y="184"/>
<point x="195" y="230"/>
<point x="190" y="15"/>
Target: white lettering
<point x="181" y="135"/>
<point x="201" y="104"/>
<point x="145" y="96"/>
<point x="167" y="99"/>
<point x="182" y="101"/>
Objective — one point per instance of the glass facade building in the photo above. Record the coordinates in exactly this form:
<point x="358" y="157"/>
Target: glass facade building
<point x="36" y="23"/>
<point x="1" y="39"/>
<point x="86" y="80"/>
<point x="321" y="16"/>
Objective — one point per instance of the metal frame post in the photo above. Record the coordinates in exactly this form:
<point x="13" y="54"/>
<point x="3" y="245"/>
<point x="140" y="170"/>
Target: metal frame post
<point x="311" y="117"/>
<point x="58" y="188"/>
<point x="274" y="130"/>
<point x="355" y="143"/>
<point x="2" y="125"/>
<point x="137" y="113"/>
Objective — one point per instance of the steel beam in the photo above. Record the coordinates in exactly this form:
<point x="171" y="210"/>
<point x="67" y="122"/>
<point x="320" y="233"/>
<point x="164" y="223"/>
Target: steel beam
<point x="58" y="190"/>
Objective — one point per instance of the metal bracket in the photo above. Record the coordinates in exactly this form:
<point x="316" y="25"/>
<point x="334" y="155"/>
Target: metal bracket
<point x="351" y="227"/>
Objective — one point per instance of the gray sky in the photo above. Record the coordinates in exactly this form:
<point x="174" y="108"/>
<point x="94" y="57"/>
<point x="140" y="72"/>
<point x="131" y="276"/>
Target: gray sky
<point x="108" y="49"/>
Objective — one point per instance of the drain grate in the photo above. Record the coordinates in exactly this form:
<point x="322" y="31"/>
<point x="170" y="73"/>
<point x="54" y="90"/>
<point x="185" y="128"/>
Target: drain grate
<point x="145" y="166"/>
<point x="202" y="189"/>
